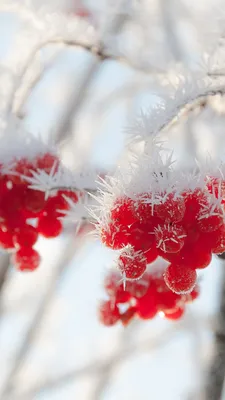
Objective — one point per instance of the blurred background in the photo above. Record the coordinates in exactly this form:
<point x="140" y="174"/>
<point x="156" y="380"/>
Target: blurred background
<point x="52" y="345"/>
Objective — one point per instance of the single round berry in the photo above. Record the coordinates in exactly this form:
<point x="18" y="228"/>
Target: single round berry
<point x="108" y="313"/>
<point x="25" y="237"/>
<point x="210" y="218"/>
<point x="26" y="259"/>
<point x="34" y="200"/>
<point x="147" y="305"/>
<point x="138" y="288"/>
<point x="49" y="227"/>
<point x="180" y="279"/>
<point x="170" y="238"/>
<point x="141" y="236"/>
<point x="216" y="186"/>
<point x="171" y="208"/>
<point x="175" y="314"/>
<point x="47" y="162"/>
<point x="122" y="212"/>
<point x="114" y="288"/>
<point x="194" y="201"/>
<point x="151" y="254"/>
<point x="115" y="237"/>
<point x="6" y="239"/>
<point x="132" y="264"/>
<point x="127" y="316"/>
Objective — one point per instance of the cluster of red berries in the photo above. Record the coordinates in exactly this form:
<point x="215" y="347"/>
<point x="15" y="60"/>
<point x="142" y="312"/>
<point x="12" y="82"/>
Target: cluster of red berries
<point x="184" y="227"/>
<point x="25" y="213"/>
<point x="143" y="298"/>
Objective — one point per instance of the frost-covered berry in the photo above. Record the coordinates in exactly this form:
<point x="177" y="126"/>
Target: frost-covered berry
<point x="108" y="313"/>
<point x="194" y="201"/>
<point x="147" y="305"/>
<point x="115" y="289"/>
<point x="115" y="237"/>
<point x="180" y="279"/>
<point x="122" y="212"/>
<point x="175" y="314"/>
<point x="6" y="239"/>
<point x="141" y="236"/>
<point x="127" y="316"/>
<point x="25" y="237"/>
<point x="210" y="218"/>
<point x="216" y="186"/>
<point x="170" y="238"/>
<point x="26" y="259"/>
<point x="151" y="254"/>
<point x="171" y="208"/>
<point x="132" y="264"/>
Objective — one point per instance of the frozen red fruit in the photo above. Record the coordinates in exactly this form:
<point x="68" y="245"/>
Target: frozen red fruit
<point x="114" y="237"/>
<point x="144" y="208"/>
<point x="167" y="300"/>
<point x="132" y="264"/>
<point x="122" y="212"/>
<point x="34" y="200"/>
<point x="194" y="201"/>
<point x="49" y="227"/>
<point x="6" y="240"/>
<point x="210" y="218"/>
<point x="47" y="161"/>
<point x="175" y="314"/>
<point x="138" y="288"/>
<point x="108" y="313"/>
<point x="127" y="316"/>
<point x="180" y="279"/>
<point x="141" y="236"/>
<point x="171" y="208"/>
<point x="147" y="305"/>
<point x="25" y="237"/>
<point x="151" y="254"/>
<point x="114" y="288"/>
<point x="170" y="237"/>
<point x="190" y="297"/>
<point x="26" y="259"/>
<point x="216" y="186"/>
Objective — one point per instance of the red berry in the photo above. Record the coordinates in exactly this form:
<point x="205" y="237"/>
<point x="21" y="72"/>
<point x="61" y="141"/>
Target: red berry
<point x="194" y="200"/>
<point x="26" y="259"/>
<point x="114" y="237"/>
<point x="25" y="237"/>
<point x="6" y="240"/>
<point x="47" y="161"/>
<point x="114" y="288"/>
<point x="128" y="315"/>
<point x="175" y="314"/>
<point x="23" y="167"/>
<point x="49" y="227"/>
<point x="170" y="238"/>
<point x="190" y="297"/>
<point x="147" y="305"/>
<point x="180" y="279"/>
<point x="216" y="186"/>
<point x="167" y="300"/>
<point x="210" y="218"/>
<point x="143" y="208"/>
<point x="151" y="255"/>
<point x="108" y="313"/>
<point x="132" y="264"/>
<point x="138" y="288"/>
<point x="141" y="236"/>
<point x="122" y="212"/>
<point x="35" y="200"/>
<point x="171" y="208"/>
